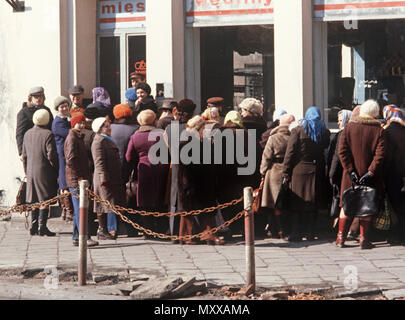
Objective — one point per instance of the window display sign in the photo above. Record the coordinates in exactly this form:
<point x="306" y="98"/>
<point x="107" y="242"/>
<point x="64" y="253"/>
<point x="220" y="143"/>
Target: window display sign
<point x="340" y="10"/>
<point x="121" y="14"/>
<point x="204" y="13"/>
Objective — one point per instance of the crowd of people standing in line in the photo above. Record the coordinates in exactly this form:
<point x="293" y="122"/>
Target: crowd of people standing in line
<point x="109" y="146"/>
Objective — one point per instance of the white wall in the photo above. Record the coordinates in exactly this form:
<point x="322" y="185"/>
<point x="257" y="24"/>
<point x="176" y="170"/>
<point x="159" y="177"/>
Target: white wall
<point x="29" y="56"/>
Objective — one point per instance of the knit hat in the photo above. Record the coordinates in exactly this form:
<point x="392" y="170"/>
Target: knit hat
<point x="186" y="105"/>
<point x="122" y="111"/>
<point x="252" y="105"/>
<point x="144" y="86"/>
<point x="97" y="124"/>
<point x="78" y="117"/>
<point x="234" y="117"/>
<point x="130" y="94"/>
<point x="370" y="108"/>
<point x="146" y="117"/>
<point x="41" y="117"/>
<point x="61" y="100"/>
<point x="286" y="119"/>
<point x="278" y="113"/>
<point x="195" y="122"/>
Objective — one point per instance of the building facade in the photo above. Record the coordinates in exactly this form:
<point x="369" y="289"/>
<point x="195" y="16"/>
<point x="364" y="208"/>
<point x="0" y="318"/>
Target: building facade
<point x="290" y="54"/>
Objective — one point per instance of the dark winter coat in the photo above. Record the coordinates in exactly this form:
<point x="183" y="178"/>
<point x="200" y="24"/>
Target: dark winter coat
<point x="152" y="179"/>
<point x="77" y="162"/>
<point x="164" y="122"/>
<point x="304" y="165"/>
<point x="107" y="169"/>
<point x="121" y="133"/>
<point x="335" y="169"/>
<point x="88" y="141"/>
<point x="272" y="164"/>
<point x="24" y="122"/>
<point x="145" y="104"/>
<point x="258" y="124"/>
<point x="395" y="165"/>
<point x="60" y="130"/>
<point x="41" y="166"/>
<point x="362" y="149"/>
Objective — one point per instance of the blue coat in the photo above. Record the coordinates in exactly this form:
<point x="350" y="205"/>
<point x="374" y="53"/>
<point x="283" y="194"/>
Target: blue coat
<point x="60" y="129"/>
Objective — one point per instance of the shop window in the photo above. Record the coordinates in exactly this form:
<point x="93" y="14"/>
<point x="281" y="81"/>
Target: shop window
<point x="238" y="63"/>
<point x="110" y="67"/>
<point x="366" y="63"/>
<point x="136" y="55"/>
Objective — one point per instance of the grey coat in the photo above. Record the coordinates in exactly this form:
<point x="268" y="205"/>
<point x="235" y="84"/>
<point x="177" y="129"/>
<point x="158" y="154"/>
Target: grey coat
<point x="40" y="160"/>
<point x="107" y="169"/>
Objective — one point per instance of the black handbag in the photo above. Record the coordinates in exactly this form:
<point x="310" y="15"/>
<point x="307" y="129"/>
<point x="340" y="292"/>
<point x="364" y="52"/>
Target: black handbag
<point x="360" y="201"/>
<point x="22" y="193"/>
<point x="335" y="208"/>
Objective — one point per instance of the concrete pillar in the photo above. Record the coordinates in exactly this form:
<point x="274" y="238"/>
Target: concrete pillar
<point x="320" y="61"/>
<point x="193" y="66"/>
<point x="165" y="46"/>
<point x="293" y="55"/>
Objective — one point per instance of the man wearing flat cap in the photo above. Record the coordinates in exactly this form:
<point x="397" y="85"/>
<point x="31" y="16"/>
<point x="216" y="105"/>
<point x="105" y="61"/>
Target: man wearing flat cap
<point x="166" y="115"/>
<point x="137" y="77"/>
<point x="219" y="103"/>
<point x="76" y="96"/>
<point x="36" y="99"/>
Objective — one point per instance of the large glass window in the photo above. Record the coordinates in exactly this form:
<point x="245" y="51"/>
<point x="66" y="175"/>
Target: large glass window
<point x="110" y="67"/>
<point x="366" y="63"/>
<point x="136" y="55"/>
<point x="238" y="63"/>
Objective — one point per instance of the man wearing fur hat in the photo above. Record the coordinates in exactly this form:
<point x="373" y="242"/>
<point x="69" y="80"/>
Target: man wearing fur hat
<point x="36" y="99"/>
<point x="41" y="169"/>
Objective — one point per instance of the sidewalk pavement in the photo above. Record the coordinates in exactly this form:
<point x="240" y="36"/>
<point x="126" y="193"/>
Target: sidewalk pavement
<point x="278" y="263"/>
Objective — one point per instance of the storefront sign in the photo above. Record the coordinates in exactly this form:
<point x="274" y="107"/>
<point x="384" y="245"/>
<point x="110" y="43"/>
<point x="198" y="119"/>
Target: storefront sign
<point x="121" y="14"/>
<point x="200" y="13"/>
<point x="340" y="10"/>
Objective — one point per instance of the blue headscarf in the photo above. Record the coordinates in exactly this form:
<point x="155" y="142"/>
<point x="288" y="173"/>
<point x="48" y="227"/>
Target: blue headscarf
<point x="313" y="125"/>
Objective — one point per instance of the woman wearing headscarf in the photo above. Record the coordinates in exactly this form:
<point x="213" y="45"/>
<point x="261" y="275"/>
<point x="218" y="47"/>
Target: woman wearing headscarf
<point x="152" y="178"/>
<point x="361" y="152"/>
<point x="395" y="168"/>
<point x="107" y="179"/>
<point x="271" y="168"/>
<point x="101" y="95"/>
<point x="303" y="171"/>
<point x="40" y="160"/>
<point x="60" y="130"/>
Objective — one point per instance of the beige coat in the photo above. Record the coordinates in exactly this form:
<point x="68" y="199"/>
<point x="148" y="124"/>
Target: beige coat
<point x="272" y="164"/>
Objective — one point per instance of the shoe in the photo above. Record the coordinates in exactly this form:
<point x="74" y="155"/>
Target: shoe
<point x="102" y="235"/>
<point x="190" y="242"/>
<point x="216" y="241"/>
<point x="44" y="231"/>
<point x="33" y="232"/>
<point x="75" y="243"/>
<point x="352" y="236"/>
<point x="113" y="234"/>
<point x="366" y="245"/>
<point x="91" y="243"/>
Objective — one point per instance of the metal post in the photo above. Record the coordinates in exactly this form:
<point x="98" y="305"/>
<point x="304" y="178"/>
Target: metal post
<point x="249" y="238"/>
<point x="83" y="226"/>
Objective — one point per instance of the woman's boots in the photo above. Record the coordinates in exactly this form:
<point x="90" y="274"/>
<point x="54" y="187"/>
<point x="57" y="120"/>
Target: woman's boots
<point x="344" y="226"/>
<point x="43" y="229"/>
<point x="102" y="233"/>
<point x="67" y="208"/>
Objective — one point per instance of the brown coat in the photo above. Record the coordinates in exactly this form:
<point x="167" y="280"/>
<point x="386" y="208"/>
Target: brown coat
<point x="272" y="164"/>
<point x="107" y="169"/>
<point x="362" y="149"/>
<point x="41" y="165"/>
<point x="304" y="163"/>
<point x="77" y="161"/>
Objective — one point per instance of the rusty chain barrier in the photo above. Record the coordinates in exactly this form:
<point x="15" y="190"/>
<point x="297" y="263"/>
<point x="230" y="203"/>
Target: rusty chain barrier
<point x="26" y="208"/>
